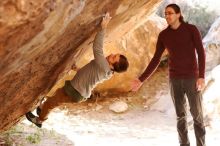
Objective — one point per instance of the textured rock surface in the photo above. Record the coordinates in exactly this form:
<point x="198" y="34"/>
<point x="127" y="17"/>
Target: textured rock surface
<point x="118" y="107"/>
<point x="39" y="40"/>
<point x="212" y="45"/>
<point x="139" y="46"/>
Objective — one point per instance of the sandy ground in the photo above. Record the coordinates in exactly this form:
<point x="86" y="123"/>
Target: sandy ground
<point x="149" y="121"/>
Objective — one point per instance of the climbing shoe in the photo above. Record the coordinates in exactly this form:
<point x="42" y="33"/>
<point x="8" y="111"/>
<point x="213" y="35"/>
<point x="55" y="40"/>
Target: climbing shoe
<point x="38" y="110"/>
<point x="32" y="118"/>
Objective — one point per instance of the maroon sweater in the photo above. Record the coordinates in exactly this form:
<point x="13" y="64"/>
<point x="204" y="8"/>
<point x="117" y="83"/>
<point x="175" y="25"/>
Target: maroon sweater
<point x="182" y="45"/>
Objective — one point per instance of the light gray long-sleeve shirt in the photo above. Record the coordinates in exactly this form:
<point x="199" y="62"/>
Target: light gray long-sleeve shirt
<point x="96" y="71"/>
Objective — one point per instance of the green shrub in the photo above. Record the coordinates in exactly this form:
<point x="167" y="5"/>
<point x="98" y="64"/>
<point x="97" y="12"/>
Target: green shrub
<point x="34" y="138"/>
<point x="7" y="136"/>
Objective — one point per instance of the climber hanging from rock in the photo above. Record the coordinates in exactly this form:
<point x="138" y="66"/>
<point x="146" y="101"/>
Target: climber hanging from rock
<point x="80" y="87"/>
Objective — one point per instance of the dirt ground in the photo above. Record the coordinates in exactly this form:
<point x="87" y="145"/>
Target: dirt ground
<point x="149" y="121"/>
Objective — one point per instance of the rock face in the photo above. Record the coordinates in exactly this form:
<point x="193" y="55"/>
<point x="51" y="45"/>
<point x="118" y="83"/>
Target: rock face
<point x="211" y="95"/>
<point x="212" y="45"/>
<point x="118" y="107"/>
<point x="39" y="40"/>
<point x="139" y="46"/>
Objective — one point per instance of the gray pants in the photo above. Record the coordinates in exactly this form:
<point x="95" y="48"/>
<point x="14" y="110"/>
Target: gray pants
<point x="178" y="88"/>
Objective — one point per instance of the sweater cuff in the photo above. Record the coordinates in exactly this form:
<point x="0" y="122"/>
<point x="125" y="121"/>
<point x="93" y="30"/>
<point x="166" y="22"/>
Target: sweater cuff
<point x="202" y="76"/>
<point x="141" y="79"/>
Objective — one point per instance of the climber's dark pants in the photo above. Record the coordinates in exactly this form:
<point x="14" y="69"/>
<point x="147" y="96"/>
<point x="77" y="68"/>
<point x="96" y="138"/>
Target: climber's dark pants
<point x="64" y="95"/>
<point x="179" y="88"/>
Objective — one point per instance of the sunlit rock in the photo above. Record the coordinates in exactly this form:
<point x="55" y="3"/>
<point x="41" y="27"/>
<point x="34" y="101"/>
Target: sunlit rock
<point x="118" y="107"/>
<point x="212" y="45"/>
<point x="212" y="95"/>
<point x="40" y="40"/>
<point x="139" y="46"/>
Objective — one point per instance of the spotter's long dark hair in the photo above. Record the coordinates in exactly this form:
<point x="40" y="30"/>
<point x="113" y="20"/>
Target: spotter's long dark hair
<point x="176" y="8"/>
